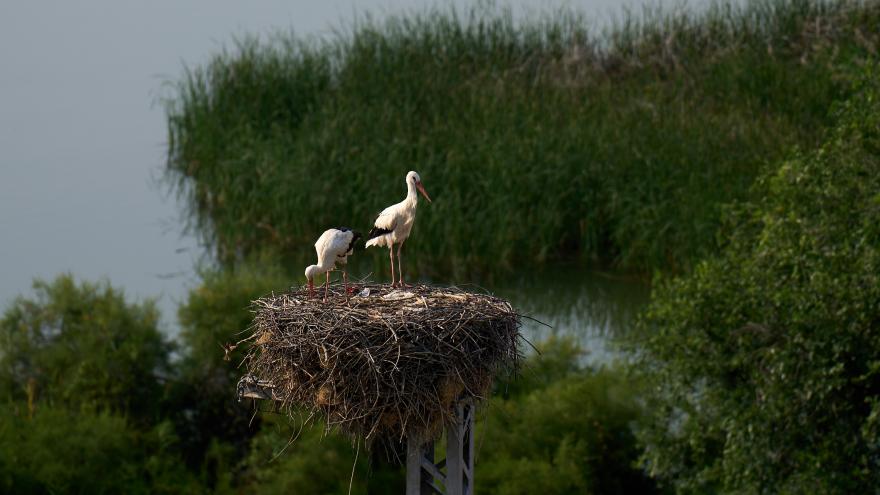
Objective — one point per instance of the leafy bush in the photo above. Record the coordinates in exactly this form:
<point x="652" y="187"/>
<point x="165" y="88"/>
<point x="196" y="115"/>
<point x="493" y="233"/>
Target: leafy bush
<point x="82" y="345"/>
<point x="537" y="139"/>
<point x="62" y="451"/>
<point x="218" y="312"/>
<point x="561" y="429"/>
<point x="83" y="374"/>
<point x="764" y="364"/>
<point x="285" y="459"/>
<point x="215" y="429"/>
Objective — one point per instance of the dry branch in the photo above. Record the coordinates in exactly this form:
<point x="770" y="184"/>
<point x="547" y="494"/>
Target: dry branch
<point x="391" y="363"/>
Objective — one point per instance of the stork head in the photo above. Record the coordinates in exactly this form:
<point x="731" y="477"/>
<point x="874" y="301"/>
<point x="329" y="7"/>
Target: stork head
<point x="413" y="179"/>
<point x="311" y="272"/>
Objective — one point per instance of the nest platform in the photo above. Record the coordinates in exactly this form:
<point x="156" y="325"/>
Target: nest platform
<point x="383" y="361"/>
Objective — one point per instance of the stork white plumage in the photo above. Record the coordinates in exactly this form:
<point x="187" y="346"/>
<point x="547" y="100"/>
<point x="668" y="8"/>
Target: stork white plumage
<point x="334" y="246"/>
<point x="395" y="223"/>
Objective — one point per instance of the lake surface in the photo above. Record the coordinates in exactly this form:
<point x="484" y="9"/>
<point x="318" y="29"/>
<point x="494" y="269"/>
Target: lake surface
<point x="591" y="307"/>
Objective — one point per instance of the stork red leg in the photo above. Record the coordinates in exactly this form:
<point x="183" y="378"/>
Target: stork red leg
<point x="327" y="286"/>
<point x="400" y="265"/>
<point x="391" y="254"/>
<point x="348" y="290"/>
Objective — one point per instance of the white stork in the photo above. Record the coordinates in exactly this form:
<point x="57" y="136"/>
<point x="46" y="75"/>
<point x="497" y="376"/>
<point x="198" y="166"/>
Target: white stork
<point x="395" y="223"/>
<point x="334" y="246"/>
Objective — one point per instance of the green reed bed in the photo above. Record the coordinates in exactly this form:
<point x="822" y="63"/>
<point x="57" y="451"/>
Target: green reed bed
<point x="537" y="140"/>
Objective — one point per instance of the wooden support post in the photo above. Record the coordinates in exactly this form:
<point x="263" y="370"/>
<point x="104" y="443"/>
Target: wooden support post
<point x="423" y="474"/>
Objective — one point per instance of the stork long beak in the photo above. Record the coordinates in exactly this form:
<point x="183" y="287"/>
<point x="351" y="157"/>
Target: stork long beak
<point x="422" y="190"/>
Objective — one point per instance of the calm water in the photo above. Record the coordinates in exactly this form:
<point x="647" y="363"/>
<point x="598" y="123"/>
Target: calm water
<point x="589" y="306"/>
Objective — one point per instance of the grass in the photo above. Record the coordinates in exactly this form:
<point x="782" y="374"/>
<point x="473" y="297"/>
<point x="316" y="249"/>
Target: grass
<point x="537" y="140"/>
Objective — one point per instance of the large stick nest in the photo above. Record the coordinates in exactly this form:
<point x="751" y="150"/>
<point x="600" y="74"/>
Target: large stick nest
<point x="393" y="362"/>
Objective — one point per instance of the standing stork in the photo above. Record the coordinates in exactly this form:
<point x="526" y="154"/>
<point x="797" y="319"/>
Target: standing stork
<point x="395" y="223"/>
<point x="334" y="246"/>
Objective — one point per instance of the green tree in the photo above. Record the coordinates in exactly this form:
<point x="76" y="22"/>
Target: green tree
<point x="561" y="428"/>
<point x="64" y="451"/>
<point x="764" y="363"/>
<point x="286" y="457"/>
<point x="215" y="429"/>
<point x="83" y="373"/>
<point x="81" y="345"/>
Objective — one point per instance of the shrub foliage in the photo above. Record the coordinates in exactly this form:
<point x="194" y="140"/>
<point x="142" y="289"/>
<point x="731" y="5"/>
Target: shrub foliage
<point x="82" y="345"/>
<point x="765" y="362"/>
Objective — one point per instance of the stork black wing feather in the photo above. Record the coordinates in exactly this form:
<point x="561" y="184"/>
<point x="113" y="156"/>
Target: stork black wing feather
<point x="376" y="232"/>
<point x="354" y="238"/>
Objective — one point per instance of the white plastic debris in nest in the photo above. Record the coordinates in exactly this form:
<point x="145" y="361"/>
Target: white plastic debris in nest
<point x="398" y="295"/>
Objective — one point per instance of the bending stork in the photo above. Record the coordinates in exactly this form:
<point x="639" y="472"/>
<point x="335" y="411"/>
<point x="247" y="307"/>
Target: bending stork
<point x="334" y="246"/>
<point x="395" y="223"/>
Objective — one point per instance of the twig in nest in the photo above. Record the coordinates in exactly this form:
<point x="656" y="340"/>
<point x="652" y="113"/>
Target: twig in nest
<point x="392" y="363"/>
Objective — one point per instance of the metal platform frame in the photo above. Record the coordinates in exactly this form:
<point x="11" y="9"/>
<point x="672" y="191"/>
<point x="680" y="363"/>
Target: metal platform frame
<point x="424" y="476"/>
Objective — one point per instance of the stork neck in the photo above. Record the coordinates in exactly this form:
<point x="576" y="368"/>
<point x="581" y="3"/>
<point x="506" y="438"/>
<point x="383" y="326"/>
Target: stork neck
<point x="412" y="195"/>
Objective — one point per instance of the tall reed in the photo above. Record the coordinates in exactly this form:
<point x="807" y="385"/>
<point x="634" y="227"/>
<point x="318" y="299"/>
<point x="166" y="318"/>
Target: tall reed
<point x="537" y="139"/>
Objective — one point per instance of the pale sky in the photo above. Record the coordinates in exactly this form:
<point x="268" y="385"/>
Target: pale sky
<point x="82" y="139"/>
